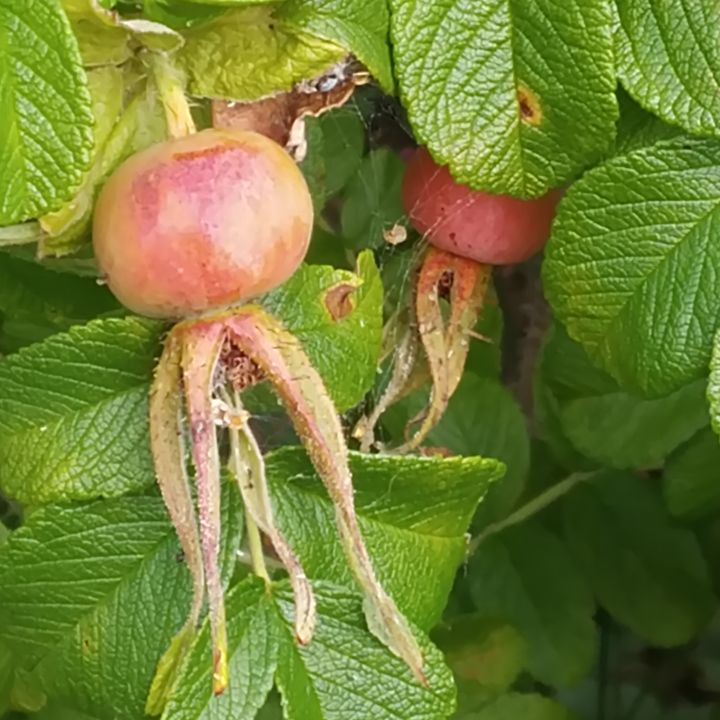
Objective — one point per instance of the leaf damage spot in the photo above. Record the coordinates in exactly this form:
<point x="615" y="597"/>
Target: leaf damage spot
<point x="339" y="300"/>
<point x="529" y="106"/>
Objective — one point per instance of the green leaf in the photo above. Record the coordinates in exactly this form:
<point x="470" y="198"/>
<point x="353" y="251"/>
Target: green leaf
<point x="90" y="596"/>
<point x="247" y="54"/>
<point x="625" y="431"/>
<point x="482" y="418"/>
<point x="517" y="705"/>
<point x="46" y="126"/>
<point x="344" y="351"/>
<point x="99" y="587"/>
<point x="35" y="302"/>
<point x="631" y="259"/>
<point x="668" y="59"/>
<point x="372" y="199"/>
<point x="343" y="144"/>
<point x="691" y="479"/>
<point x="525" y="575"/>
<point x="253" y="646"/>
<point x="413" y="513"/>
<point x="649" y="574"/>
<point x="607" y="425"/>
<point x="345" y="673"/>
<point x="73" y="413"/>
<point x="359" y="26"/>
<point x="514" y="96"/>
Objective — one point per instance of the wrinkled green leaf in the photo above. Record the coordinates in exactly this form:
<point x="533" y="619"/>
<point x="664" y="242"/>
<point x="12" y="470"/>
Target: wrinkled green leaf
<point x="668" y="57"/>
<point x="346" y="673"/>
<point x="247" y="54"/>
<point x="525" y="575"/>
<point x="343" y="673"/>
<point x="46" y="125"/>
<point x="515" y="96"/>
<point x="413" y="513"/>
<point x="691" y="478"/>
<point x="482" y="418"/>
<point x="359" y="26"/>
<point x="372" y="199"/>
<point x="631" y="262"/>
<point x="344" y="351"/>
<point x="649" y="574"/>
<point x="91" y="594"/>
<point x="253" y="643"/>
<point x="73" y="413"/>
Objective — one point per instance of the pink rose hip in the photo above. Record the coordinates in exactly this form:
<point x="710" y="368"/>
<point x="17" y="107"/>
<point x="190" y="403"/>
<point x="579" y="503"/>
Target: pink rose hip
<point x="200" y="222"/>
<point x="491" y="229"/>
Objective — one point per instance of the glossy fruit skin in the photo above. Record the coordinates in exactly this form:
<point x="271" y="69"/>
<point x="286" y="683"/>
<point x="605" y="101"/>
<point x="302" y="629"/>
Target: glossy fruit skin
<point x="202" y="222"/>
<point x="491" y="229"/>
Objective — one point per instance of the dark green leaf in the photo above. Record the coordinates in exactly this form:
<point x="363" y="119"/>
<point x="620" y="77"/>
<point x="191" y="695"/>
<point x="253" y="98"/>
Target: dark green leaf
<point x="343" y="144"/>
<point x="526" y="576"/>
<point x="372" y="199"/>
<point x="638" y="128"/>
<point x="413" y="513"/>
<point x="514" y="96"/>
<point x="691" y="479"/>
<point x="46" y="124"/>
<point x="632" y="259"/>
<point x="35" y="302"/>
<point x="668" y="57"/>
<point x="649" y="574"/>
<point x="515" y="705"/>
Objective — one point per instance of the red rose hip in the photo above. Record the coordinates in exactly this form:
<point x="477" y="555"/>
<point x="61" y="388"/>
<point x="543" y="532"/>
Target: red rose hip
<point x="201" y="222"/>
<point x="490" y="229"/>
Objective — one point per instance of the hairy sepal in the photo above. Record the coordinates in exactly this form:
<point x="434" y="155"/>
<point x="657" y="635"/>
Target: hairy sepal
<point x="201" y="346"/>
<point x="285" y="364"/>
<point x="248" y="467"/>
<point x="166" y="438"/>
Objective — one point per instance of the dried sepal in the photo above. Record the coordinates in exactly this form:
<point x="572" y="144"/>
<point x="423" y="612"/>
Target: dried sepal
<point x="166" y="438"/>
<point x="202" y="343"/>
<point x="284" y="362"/>
<point x="248" y="467"/>
<point x="445" y="344"/>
